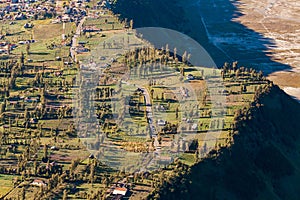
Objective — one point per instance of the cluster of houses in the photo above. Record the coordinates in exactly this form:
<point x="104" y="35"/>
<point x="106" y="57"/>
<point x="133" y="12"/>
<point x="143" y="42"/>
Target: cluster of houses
<point x="70" y="13"/>
<point x="5" y="47"/>
<point x="26" y="9"/>
<point x="13" y="10"/>
<point x="34" y="9"/>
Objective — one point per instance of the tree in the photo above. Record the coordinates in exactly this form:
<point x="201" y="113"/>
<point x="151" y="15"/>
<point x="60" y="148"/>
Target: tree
<point x="167" y="50"/>
<point x="22" y="59"/>
<point x="45" y="157"/>
<point x="182" y="71"/>
<point x="184" y="57"/>
<point x="177" y="111"/>
<point x="234" y="65"/>
<point x="159" y="139"/>
<point x="175" y="53"/>
<point x="189" y="57"/>
<point x="23" y="194"/>
<point x="237" y="73"/>
<point x="28" y="49"/>
<point x="65" y="195"/>
<point x="34" y="168"/>
<point x="152" y="93"/>
<point x="92" y="173"/>
<point x="196" y="156"/>
<point x="162" y="96"/>
<point x="131" y="24"/>
<point x="2" y="108"/>
<point x="8" y="48"/>
<point x="26" y="114"/>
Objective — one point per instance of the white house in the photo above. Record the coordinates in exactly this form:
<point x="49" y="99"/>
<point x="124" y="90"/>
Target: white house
<point x="39" y="183"/>
<point x="195" y="126"/>
<point x="121" y="191"/>
<point x="161" y="122"/>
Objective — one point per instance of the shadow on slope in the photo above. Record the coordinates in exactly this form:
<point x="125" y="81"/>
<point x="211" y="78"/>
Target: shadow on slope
<point x="263" y="162"/>
<point x="210" y="22"/>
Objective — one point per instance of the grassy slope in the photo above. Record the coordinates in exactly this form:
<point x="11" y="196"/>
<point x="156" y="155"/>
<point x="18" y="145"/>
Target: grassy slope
<point x="263" y="162"/>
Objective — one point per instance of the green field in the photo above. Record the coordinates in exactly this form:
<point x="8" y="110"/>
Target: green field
<point x="6" y="184"/>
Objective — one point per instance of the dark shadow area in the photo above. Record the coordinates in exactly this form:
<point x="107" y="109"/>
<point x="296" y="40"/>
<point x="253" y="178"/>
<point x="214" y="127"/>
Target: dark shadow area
<point x="209" y="22"/>
<point x="39" y="53"/>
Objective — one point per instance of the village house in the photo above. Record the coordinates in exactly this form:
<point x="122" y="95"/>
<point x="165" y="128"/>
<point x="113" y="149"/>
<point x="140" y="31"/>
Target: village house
<point x="161" y="122"/>
<point x="120" y="191"/>
<point x="65" y="18"/>
<point x="91" y="29"/>
<point x="32" y="99"/>
<point x="54" y="148"/>
<point x="190" y="77"/>
<point x="33" y="120"/>
<point x="81" y="50"/>
<point x="39" y="183"/>
<point x="195" y="126"/>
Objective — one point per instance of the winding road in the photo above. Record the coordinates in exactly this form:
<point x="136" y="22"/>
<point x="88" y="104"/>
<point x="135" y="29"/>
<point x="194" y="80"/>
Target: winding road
<point x="74" y="39"/>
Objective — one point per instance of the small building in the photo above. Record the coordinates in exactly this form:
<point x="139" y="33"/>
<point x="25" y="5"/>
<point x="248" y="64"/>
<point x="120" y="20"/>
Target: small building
<point x="161" y="122"/>
<point x="225" y="92"/>
<point x="82" y="50"/>
<point x="34" y="120"/>
<point x="31" y="99"/>
<point x="56" y="21"/>
<point x="54" y="148"/>
<point x="195" y="126"/>
<point x="58" y="73"/>
<point x="28" y="25"/>
<point x="190" y="77"/>
<point x="39" y="183"/>
<point x="120" y="191"/>
<point x="65" y="18"/>
<point x="91" y="156"/>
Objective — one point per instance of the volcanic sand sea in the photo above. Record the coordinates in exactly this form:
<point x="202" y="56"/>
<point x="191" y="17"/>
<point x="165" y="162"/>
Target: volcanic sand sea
<point x="262" y="34"/>
<point x="280" y="21"/>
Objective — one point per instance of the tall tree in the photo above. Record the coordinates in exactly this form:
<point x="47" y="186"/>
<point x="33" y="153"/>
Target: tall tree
<point x="28" y="49"/>
<point x="45" y="152"/>
<point x="65" y="195"/>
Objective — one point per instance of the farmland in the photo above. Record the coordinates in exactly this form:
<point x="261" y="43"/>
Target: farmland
<point x="124" y="114"/>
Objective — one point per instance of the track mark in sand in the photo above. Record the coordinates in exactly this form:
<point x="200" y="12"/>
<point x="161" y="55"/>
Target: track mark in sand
<point x="212" y="41"/>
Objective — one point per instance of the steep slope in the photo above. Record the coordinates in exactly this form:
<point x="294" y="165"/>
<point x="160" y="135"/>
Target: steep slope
<point x="263" y="162"/>
<point x="147" y="13"/>
<point x="169" y="14"/>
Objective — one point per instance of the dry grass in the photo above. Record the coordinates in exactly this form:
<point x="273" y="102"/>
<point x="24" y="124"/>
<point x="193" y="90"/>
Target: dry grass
<point x="46" y="31"/>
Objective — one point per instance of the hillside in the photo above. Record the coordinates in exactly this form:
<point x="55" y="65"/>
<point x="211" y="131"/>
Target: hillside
<point x="175" y="15"/>
<point x="153" y="11"/>
<point x="92" y="110"/>
<point x="263" y="162"/>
